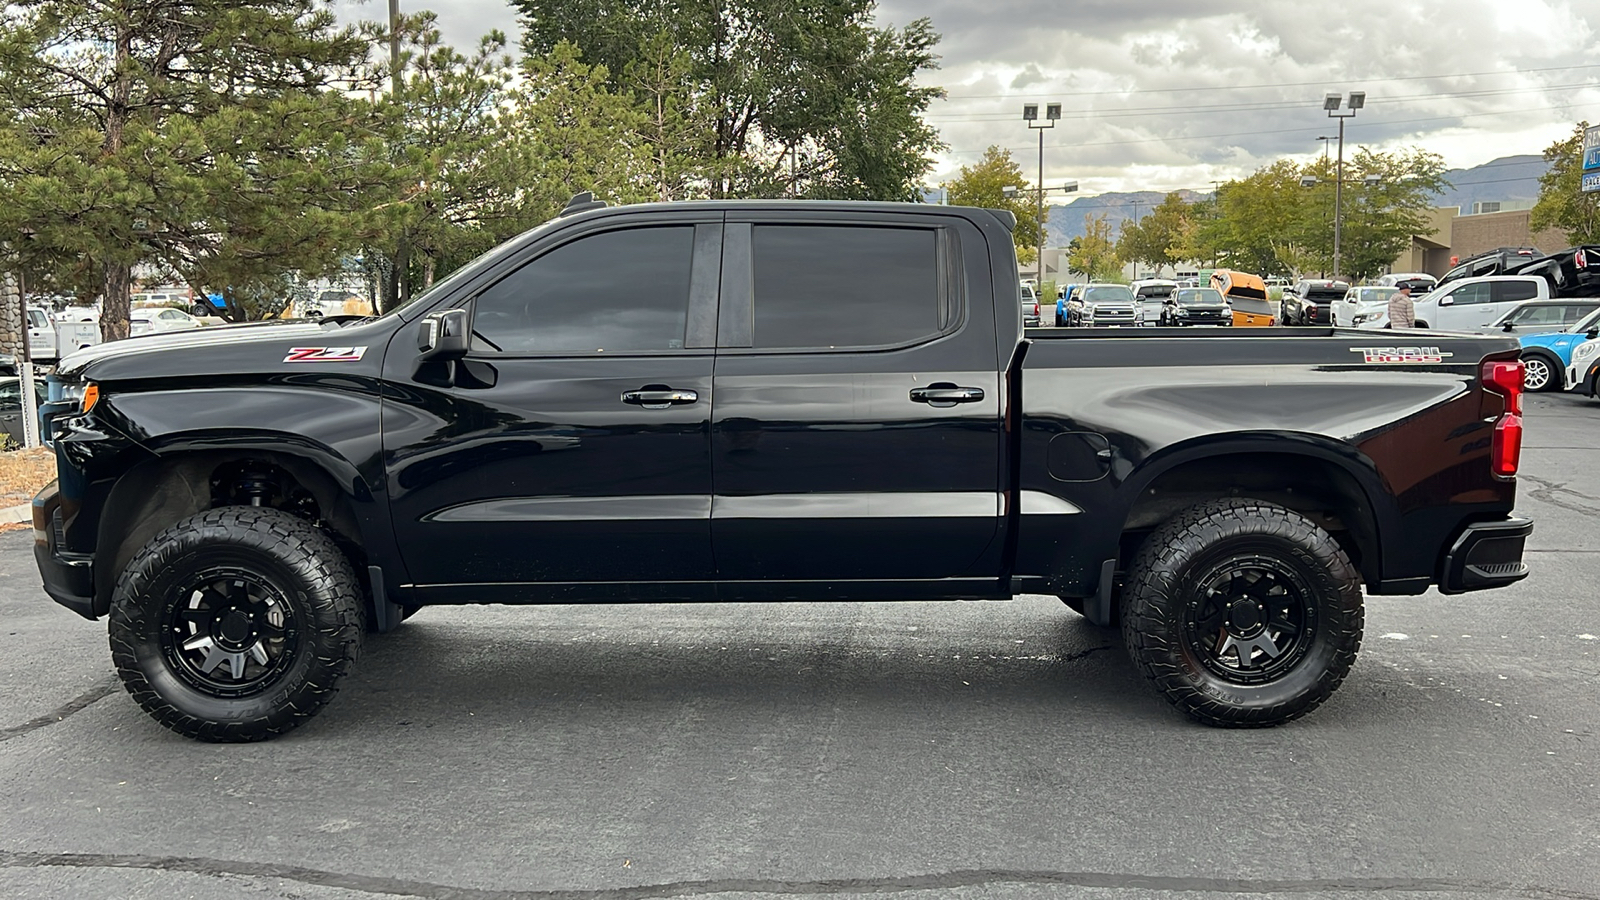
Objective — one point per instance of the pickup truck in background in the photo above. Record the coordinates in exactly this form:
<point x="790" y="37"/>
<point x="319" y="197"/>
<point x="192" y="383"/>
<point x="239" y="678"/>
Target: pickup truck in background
<point x="759" y="427"/>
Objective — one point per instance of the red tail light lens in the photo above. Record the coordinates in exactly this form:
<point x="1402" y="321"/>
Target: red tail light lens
<point x="1504" y="377"/>
<point x="1506" y="452"/>
<point x="1580" y="260"/>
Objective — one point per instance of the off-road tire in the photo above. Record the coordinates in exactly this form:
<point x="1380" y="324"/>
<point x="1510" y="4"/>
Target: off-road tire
<point x="313" y="581"/>
<point x="1163" y="596"/>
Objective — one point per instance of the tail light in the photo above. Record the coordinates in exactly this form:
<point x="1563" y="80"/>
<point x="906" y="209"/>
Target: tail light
<point x="1036" y="307"/>
<point x="1580" y="260"/>
<point x="1504" y="377"/>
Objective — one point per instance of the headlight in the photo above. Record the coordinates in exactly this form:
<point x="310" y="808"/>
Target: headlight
<point x="84" y="394"/>
<point x="1181" y="312"/>
<point x="1586" y="349"/>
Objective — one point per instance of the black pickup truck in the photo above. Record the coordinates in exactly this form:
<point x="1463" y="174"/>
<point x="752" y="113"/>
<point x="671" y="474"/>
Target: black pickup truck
<point x="765" y="401"/>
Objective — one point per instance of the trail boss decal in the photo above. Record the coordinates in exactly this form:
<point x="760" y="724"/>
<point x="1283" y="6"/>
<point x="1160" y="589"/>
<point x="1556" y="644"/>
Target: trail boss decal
<point x="1410" y="355"/>
<point x="324" y="354"/>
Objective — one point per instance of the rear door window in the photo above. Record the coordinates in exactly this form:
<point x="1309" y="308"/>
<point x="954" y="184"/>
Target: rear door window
<point x="839" y="286"/>
<point x="1513" y="291"/>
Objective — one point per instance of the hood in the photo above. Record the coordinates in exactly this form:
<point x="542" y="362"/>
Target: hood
<point x="214" y="336"/>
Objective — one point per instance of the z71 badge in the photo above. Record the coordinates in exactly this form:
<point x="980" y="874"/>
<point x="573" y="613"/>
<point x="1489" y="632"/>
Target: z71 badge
<point x="324" y="354"/>
<point x="1411" y="355"/>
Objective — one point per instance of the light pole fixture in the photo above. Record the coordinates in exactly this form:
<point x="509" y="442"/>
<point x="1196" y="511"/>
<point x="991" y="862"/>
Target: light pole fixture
<point x="1030" y="115"/>
<point x="1331" y="104"/>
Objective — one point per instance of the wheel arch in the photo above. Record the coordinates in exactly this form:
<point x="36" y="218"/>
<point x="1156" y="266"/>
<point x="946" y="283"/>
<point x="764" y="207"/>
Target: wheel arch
<point x="1324" y="478"/>
<point x="183" y="479"/>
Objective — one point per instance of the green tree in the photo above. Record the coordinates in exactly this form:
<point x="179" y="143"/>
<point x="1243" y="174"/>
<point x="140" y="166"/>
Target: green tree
<point x="1386" y="201"/>
<point x="1094" y="254"/>
<point x="214" y="139"/>
<point x="802" y="97"/>
<point x="983" y="184"/>
<point x="439" y="128"/>
<point x="1158" y="238"/>
<point x="1260" y="217"/>
<point x="1562" y="203"/>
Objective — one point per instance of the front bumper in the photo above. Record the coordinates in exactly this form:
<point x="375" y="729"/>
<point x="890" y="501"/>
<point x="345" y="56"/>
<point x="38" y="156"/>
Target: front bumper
<point x="68" y="577"/>
<point x="1486" y="555"/>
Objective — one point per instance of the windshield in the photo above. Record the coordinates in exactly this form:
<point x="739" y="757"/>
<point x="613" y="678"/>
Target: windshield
<point x="1108" y="293"/>
<point x="1591" y="321"/>
<point x="1200" y="297"/>
<point x="1155" y="292"/>
<point x="1376" y="295"/>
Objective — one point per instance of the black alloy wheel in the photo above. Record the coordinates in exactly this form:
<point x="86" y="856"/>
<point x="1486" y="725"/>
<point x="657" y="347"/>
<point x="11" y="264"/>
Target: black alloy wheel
<point x="1243" y="613"/>
<point x="230" y="632"/>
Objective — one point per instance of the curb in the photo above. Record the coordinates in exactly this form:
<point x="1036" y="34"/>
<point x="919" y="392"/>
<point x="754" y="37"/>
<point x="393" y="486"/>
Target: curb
<point x="22" y="512"/>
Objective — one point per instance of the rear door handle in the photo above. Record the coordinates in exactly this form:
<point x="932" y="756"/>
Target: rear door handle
<point x="659" y="397"/>
<point x="944" y="394"/>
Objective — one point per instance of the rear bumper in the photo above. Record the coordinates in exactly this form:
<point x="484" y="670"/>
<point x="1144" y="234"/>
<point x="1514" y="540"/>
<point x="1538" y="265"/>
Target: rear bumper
<point x="68" y="577"/>
<point x="1486" y="555"/>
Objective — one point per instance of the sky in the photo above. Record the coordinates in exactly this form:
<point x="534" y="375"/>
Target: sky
<point x="1168" y="94"/>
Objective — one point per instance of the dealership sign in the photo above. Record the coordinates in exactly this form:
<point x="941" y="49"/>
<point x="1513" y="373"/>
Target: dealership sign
<point x="1591" y="158"/>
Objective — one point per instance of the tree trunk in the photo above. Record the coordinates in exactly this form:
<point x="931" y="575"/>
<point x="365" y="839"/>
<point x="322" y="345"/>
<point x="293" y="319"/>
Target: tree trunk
<point x="118" y="276"/>
<point x="114" y="302"/>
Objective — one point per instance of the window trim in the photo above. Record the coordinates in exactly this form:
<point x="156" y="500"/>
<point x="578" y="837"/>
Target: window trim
<point x="950" y="283"/>
<point x="603" y="226"/>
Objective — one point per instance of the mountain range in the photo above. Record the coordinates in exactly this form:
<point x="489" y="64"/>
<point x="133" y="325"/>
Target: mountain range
<point x="1507" y="179"/>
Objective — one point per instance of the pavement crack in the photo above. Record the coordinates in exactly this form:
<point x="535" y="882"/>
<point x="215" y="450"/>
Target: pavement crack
<point x="72" y="707"/>
<point x="883" y="885"/>
<point x="1548" y="490"/>
<point x="1074" y="657"/>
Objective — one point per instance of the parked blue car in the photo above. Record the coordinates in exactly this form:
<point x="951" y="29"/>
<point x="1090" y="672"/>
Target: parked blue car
<point x="1545" y="357"/>
<point x="1061" y="304"/>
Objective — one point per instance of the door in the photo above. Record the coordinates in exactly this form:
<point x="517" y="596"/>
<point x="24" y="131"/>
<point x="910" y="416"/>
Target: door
<point x="570" y="450"/>
<point x="41" y="337"/>
<point x="1505" y="296"/>
<point x="1464" y="308"/>
<point x="857" y="431"/>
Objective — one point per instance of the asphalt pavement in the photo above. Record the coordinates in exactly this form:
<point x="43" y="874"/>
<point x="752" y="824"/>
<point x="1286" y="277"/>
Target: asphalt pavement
<point x="966" y="750"/>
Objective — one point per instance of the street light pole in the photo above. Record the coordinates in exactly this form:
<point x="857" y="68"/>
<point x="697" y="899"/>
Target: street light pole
<point x="1030" y="114"/>
<point x="1331" y="104"/>
<point x="1136" y="225"/>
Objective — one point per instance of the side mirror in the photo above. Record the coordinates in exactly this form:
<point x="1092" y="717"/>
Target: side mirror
<point x="444" y="335"/>
<point x="1592" y="333"/>
<point x="1508" y="327"/>
<point x="1447" y="301"/>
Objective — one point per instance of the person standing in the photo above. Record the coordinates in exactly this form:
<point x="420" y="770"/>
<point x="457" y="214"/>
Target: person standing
<point x="1402" y="312"/>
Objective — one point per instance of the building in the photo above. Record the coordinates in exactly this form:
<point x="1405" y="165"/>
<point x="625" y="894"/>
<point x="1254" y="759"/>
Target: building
<point x="1455" y="235"/>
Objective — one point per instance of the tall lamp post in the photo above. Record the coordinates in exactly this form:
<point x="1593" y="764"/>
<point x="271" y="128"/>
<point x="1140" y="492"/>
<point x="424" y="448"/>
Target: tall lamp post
<point x="1030" y="115"/>
<point x="1331" y="104"/>
<point x="1011" y="190"/>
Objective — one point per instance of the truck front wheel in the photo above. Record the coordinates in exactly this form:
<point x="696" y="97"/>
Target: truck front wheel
<point x="1245" y="614"/>
<point x="235" y="624"/>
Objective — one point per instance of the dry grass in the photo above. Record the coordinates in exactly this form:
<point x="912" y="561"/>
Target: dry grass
<point x="23" y="473"/>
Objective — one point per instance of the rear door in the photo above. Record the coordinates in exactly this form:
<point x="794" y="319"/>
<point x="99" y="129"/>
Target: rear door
<point x="857" y="431"/>
<point x="1507" y="295"/>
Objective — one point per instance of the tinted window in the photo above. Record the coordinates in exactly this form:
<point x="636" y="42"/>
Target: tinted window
<point x="844" y="286"/>
<point x="615" y="292"/>
<point x="1514" y="290"/>
<point x="1200" y="297"/>
<point x="1592" y="320"/>
<point x="1470" y="293"/>
<point x="1107" y="293"/>
<point x="1155" y="292"/>
<point x="1574" y="312"/>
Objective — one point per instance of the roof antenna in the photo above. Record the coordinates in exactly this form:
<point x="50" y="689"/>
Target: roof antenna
<point x="581" y="202"/>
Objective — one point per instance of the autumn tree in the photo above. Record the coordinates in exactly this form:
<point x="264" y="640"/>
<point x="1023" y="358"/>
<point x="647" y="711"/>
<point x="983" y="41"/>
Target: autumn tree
<point x="1562" y="203"/>
<point x="1158" y="239"/>
<point x="983" y="184"/>
<point x="1094" y="254"/>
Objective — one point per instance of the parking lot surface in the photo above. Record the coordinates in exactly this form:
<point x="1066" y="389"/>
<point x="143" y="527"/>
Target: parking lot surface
<point x="920" y="749"/>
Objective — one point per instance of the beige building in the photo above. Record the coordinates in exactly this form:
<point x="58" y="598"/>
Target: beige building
<point x="1454" y="236"/>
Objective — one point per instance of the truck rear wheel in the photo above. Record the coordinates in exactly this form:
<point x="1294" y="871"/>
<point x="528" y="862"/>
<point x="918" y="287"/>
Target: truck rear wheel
<point x="1245" y="614"/>
<point x="235" y="624"/>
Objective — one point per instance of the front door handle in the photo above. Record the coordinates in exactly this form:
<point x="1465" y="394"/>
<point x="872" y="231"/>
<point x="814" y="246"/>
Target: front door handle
<point x="655" y="396"/>
<point x="943" y="394"/>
